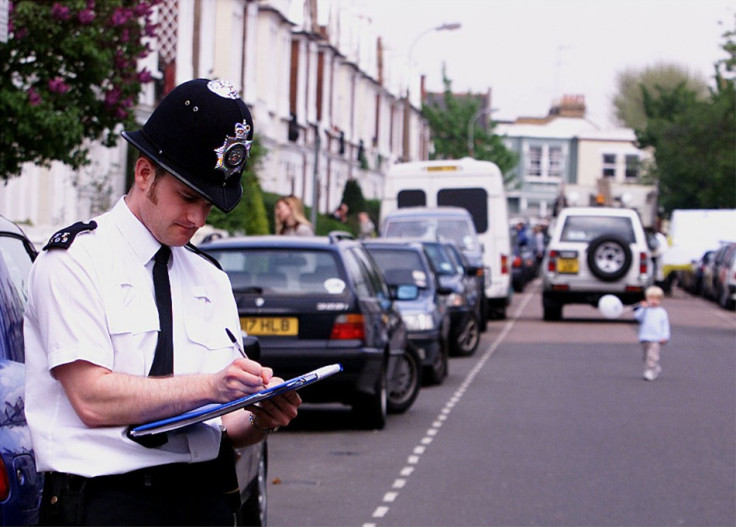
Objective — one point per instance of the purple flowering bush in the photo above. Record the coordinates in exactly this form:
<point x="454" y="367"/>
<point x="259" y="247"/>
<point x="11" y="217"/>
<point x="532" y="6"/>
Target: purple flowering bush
<point x="69" y="74"/>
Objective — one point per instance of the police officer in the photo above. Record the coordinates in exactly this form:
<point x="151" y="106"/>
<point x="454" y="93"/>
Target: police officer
<point x="108" y="346"/>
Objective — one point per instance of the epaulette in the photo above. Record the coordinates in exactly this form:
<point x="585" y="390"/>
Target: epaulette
<point x="204" y="255"/>
<point x="64" y="238"/>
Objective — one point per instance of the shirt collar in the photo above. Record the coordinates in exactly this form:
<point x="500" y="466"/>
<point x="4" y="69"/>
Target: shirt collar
<point x="138" y="237"/>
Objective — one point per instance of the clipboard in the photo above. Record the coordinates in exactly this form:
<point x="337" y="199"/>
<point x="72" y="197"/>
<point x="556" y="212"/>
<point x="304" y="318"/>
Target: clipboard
<point x="210" y="411"/>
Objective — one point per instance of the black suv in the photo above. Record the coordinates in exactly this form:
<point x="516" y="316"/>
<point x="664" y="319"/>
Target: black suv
<point x="313" y="301"/>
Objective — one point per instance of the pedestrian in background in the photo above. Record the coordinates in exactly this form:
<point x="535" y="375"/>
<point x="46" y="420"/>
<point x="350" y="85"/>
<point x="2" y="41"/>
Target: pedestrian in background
<point x="127" y="322"/>
<point x="654" y="330"/>
<point x="289" y="217"/>
<point x="341" y="213"/>
<point x="366" y="226"/>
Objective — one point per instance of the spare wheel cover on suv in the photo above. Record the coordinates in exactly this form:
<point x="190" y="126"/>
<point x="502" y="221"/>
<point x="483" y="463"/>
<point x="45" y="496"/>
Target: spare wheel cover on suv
<point x="609" y="257"/>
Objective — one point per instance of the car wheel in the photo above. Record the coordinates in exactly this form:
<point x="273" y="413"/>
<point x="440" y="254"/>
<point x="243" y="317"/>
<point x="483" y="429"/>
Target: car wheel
<point x="609" y="257"/>
<point x="253" y="511"/>
<point x="404" y="384"/>
<point x="437" y="372"/>
<point x="552" y="309"/>
<point x="467" y="339"/>
<point x="370" y="410"/>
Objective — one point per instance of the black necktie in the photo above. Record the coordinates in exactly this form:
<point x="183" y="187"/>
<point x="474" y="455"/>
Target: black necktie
<point x="163" y="361"/>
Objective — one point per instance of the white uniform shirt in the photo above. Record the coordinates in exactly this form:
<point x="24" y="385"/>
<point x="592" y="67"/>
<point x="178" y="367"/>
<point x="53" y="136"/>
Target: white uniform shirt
<point x="95" y="302"/>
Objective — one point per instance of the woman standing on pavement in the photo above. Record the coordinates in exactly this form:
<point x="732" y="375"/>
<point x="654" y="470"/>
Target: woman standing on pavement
<point x="289" y="217"/>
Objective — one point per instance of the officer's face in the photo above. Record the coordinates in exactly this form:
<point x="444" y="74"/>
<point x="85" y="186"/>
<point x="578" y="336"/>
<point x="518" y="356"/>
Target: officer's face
<point x="172" y="211"/>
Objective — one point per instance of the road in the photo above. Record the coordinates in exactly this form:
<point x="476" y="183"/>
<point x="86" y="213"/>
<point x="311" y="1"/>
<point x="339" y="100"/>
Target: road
<point x="547" y="424"/>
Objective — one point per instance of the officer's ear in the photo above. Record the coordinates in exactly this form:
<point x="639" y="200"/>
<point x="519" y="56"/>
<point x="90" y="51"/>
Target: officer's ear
<point x="145" y="173"/>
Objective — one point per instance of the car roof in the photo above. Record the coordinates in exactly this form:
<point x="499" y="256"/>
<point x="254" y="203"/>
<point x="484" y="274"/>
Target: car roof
<point x="413" y="212"/>
<point x="598" y="211"/>
<point x="272" y="241"/>
<point x="8" y="226"/>
<point x="394" y="242"/>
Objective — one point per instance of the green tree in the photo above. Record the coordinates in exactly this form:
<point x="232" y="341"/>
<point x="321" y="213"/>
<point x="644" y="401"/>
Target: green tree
<point x="628" y="103"/>
<point x="69" y="74"/>
<point x="352" y="196"/>
<point x="449" y="120"/>
<point x="693" y="140"/>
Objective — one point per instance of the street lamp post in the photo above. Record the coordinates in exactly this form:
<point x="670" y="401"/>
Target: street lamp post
<point x="471" y="128"/>
<point x="407" y="104"/>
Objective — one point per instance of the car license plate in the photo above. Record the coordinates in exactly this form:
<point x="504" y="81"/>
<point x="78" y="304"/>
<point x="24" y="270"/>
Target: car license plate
<point x="567" y="265"/>
<point x="271" y="326"/>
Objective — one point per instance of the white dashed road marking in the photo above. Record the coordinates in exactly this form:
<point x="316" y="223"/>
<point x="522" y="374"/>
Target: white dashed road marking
<point x="432" y="432"/>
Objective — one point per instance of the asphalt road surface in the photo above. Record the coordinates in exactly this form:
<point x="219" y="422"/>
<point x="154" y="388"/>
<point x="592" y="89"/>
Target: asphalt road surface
<point x="549" y="423"/>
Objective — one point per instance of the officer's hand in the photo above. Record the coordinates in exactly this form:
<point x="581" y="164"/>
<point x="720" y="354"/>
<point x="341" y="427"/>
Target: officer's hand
<point x="277" y="411"/>
<point x="242" y="377"/>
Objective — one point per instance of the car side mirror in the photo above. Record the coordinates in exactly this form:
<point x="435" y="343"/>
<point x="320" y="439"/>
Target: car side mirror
<point x="407" y="292"/>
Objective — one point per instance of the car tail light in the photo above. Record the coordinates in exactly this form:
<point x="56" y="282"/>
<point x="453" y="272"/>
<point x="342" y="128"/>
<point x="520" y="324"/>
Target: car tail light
<point x="504" y="264"/>
<point x="348" y="327"/>
<point x="642" y="263"/>
<point x="517" y="262"/>
<point x="552" y="262"/>
<point x="4" y="481"/>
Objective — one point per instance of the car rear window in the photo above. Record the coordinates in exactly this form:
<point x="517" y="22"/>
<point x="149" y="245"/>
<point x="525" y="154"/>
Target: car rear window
<point x="588" y="228"/>
<point x="441" y="260"/>
<point x="282" y="271"/>
<point x="401" y="266"/>
<point x="455" y="230"/>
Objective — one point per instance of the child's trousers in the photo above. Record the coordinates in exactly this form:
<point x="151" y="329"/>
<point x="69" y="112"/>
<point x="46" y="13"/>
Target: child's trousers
<point x="651" y="354"/>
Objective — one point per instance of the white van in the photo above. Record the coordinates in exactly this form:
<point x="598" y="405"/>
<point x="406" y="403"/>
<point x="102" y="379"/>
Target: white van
<point x="476" y="186"/>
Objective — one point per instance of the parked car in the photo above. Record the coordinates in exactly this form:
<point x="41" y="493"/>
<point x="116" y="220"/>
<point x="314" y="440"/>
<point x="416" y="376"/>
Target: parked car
<point x="20" y="484"/>
<point x="523" y="261"/>
<point x="725" y="275"/>
<point x="594" y="251"/>
<point x="691" y="280"/>
<point x="455" y="224"/>
<point x="426" y="316"/>
<point x="463" y="302"/>
<point x="313" y="301"/>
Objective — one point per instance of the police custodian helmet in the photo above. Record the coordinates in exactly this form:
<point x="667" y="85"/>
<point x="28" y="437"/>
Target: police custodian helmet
<point x="201" y="132"/>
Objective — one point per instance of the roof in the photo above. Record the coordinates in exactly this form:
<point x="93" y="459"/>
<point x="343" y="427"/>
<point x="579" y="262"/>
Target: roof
<point x="414" y="212"/>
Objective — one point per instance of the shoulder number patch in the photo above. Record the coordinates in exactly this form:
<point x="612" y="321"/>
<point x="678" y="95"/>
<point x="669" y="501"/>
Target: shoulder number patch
<point x="64" y="238"/>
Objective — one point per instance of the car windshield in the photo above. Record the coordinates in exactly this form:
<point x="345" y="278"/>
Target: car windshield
<point x="400" y="266"/>
<point x="292" y="271"/>
<point x="588" y="228"/>
<point x="455" y="230"/>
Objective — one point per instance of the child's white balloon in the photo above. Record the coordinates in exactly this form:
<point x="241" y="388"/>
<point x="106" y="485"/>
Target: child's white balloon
<point x="610" y="306"/>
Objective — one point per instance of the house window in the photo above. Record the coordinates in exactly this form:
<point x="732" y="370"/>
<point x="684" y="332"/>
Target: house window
<point x="534" y="168"/>
<point x="555" y="162"/>
<point x="609" y="165"/>
<point x="632" y="167"/>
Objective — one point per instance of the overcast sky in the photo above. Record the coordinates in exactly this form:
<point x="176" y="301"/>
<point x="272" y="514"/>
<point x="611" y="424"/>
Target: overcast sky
<point x="529" y="52"/>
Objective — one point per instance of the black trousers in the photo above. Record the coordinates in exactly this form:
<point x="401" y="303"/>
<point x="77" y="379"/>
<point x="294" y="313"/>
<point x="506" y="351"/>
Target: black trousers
<point x="176" y="494"/>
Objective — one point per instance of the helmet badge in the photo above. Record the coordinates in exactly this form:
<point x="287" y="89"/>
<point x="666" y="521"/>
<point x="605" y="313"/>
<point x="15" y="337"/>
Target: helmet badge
<point x="234" y="152"/>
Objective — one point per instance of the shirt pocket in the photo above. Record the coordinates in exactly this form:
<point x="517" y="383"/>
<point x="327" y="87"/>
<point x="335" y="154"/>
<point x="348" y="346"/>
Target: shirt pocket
<point x="132" y="310"/>
<point x="205" y="322"/>
<point x="132" y="320"/>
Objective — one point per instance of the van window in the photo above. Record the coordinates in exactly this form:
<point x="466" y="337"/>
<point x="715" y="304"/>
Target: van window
<point x="411" y="198"/>
<point x="475" y="200"/>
